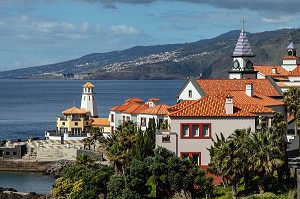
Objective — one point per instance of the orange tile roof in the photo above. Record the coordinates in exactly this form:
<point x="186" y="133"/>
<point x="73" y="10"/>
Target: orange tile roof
<point x="161" y="109"/>
<point x="123" y="107"/>
<point x="88" y="85"/>
<point x="100" y="122"/>
<point x="154" y="99"/>
<point x="216" y="86"/>
<point x="268" y="70"/>
<point x="242" y="98"/>
<point x="135" y="99"/>
<point x="214" y="106"/>
<point x="180" y="105"/>
<point x="290" y="57"/>
<point x="75" y="110"/>
<point x="296" y="71"/>
<point x="136" y="109"/>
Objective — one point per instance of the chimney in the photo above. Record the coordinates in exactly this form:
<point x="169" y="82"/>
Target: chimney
<point x="249" y="89"/>
<point x="229" y="104"/>
<point x="274" y="70"/>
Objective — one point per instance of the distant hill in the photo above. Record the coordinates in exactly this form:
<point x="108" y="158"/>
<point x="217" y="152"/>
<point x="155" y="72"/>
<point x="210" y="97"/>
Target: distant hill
<point x="209" y="58"/>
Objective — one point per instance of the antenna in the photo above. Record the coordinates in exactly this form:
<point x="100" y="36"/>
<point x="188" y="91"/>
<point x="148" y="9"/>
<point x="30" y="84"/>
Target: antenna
<point x="73" y="103"/>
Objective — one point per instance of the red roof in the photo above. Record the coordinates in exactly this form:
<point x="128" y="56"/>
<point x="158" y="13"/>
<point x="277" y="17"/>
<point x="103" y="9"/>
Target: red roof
<point x="161" y="109"/>
<point x="269" y="70"/>
<point x="88" y="85"/>
<point x="296" y="71"/>
<point x="216" y="86"/>
<point x="135" y="99"/>
<point x="290" y="57"/>
<point x="180" y="105"/>
<point x="214" y="106"/>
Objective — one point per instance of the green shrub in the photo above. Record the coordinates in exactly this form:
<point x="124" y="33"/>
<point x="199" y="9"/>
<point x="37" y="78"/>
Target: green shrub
<point x="267" y="195"/>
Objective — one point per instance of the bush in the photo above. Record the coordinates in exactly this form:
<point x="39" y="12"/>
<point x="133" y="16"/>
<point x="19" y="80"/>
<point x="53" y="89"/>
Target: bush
<point x="267" y="195"/>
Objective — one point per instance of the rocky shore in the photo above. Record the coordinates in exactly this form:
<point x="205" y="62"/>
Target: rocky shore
<point x="10" y="193"/>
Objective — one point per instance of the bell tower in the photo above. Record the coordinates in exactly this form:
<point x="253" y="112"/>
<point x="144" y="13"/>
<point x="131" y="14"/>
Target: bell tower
<point x="242" y="67"/>
<point x="88" y="99"/>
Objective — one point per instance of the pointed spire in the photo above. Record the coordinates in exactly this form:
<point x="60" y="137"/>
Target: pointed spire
<point x="242" y="48"/>
<point x="291" y="46"/>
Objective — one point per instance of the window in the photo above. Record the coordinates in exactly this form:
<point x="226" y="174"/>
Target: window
<point x="112" y="118"/>
<point x="14" y="153"/>
<point x="196" y="130"/>
<point x="194" y="157"/>
<point x="190" y="94"/>
<point x="143" y="121"/>
<point x="101" y="129"/>
<point x="87" y="123"/>
<point x="127" y="118"/>
<point x="166" y="138"/>
<point x="185" y="130"/>
<point x="6" y="153"/>
<point x="63" y="123"/>
<point x="123" y="118"/>
<point x="76" y="123"/>
<point x="205" y="130"/>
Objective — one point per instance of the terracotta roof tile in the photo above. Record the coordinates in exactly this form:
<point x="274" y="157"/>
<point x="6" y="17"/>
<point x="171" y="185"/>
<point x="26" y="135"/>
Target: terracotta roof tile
<point x="242" y="98"/>
<point x="75" y="110"/>
<point x="123" y="107"/>
<point x="268" y="70"/>
<point x="296" y="71"/>
<point x="154" y="99"/>
<point x="135" y="99"/>
<point x="217" y="86"/>
<point x="180" y="105"/>
<point x="290" y="57"/>
<point x="214" y="106"/>
<point x="88" y="85"/>
<point x="161" y="109"/>
<point x="100" y="122"/>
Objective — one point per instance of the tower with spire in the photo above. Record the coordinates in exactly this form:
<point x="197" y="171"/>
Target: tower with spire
<point x="88" y="101"/>
<point x="291" y="61"/>
<point x="242" y="67"/>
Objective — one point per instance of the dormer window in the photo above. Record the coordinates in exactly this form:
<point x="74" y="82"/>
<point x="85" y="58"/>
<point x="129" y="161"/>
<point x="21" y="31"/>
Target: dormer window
<point x="190" y="94"/>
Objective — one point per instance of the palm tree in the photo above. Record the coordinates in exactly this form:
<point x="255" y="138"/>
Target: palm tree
<point x="240" y="138"/>
<point x="226" y="161"/>
<point x="119" y="145"/>
<point x="291" y="99"/>
<point x="265" y="155"/>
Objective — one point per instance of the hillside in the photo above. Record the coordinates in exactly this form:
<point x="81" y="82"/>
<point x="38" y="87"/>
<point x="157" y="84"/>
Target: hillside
<point x="209" y="58"/>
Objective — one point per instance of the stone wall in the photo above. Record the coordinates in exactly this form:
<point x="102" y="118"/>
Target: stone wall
<point x="13" y="165"/>
<point x="13" y="152"/>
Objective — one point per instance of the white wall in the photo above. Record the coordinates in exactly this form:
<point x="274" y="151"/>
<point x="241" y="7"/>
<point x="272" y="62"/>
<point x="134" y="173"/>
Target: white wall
<point x="185" y="93"/>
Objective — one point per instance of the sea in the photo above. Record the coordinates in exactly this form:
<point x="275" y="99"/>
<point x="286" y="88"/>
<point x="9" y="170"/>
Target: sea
<point x="28" y="108"/>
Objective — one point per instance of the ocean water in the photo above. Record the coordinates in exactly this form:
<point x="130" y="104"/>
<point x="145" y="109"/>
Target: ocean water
<point x="27" y="182"/>
<point x="30" y="107"/>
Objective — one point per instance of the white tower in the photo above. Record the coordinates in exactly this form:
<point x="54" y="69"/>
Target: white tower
<point x="88" y="99"/>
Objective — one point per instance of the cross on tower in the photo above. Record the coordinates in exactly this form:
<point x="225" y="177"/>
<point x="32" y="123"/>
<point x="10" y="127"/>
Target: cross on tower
<point x="243" y="21"/>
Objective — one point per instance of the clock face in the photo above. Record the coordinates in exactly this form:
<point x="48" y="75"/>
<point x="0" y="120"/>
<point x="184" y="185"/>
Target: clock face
<point x="236" y="64"/>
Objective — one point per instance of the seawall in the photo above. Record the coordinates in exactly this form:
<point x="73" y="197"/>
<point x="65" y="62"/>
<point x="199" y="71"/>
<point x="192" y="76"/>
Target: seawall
<point x="25" y="165"/>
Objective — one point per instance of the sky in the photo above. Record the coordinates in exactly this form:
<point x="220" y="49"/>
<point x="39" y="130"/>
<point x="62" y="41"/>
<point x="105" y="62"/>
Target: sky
<point x="39" y="32"/>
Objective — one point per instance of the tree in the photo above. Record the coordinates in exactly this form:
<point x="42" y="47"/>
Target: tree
<point x="265" y="155"/>
<point x="120" y="144"/>
<point x="291" y="99"/>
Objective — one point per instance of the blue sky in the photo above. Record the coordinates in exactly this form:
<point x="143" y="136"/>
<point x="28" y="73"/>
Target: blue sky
<point x="37" y="32"/>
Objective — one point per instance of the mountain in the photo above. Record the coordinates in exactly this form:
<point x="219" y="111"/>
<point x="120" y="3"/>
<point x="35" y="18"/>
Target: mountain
<point x="209" y="58"/>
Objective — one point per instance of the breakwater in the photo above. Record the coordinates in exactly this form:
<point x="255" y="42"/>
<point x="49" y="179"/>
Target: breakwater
<point x="25" y="165"/>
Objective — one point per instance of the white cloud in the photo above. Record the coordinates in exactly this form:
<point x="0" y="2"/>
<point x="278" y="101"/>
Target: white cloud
<point x="124" y="30"/>
<point x="276" y="20"/>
